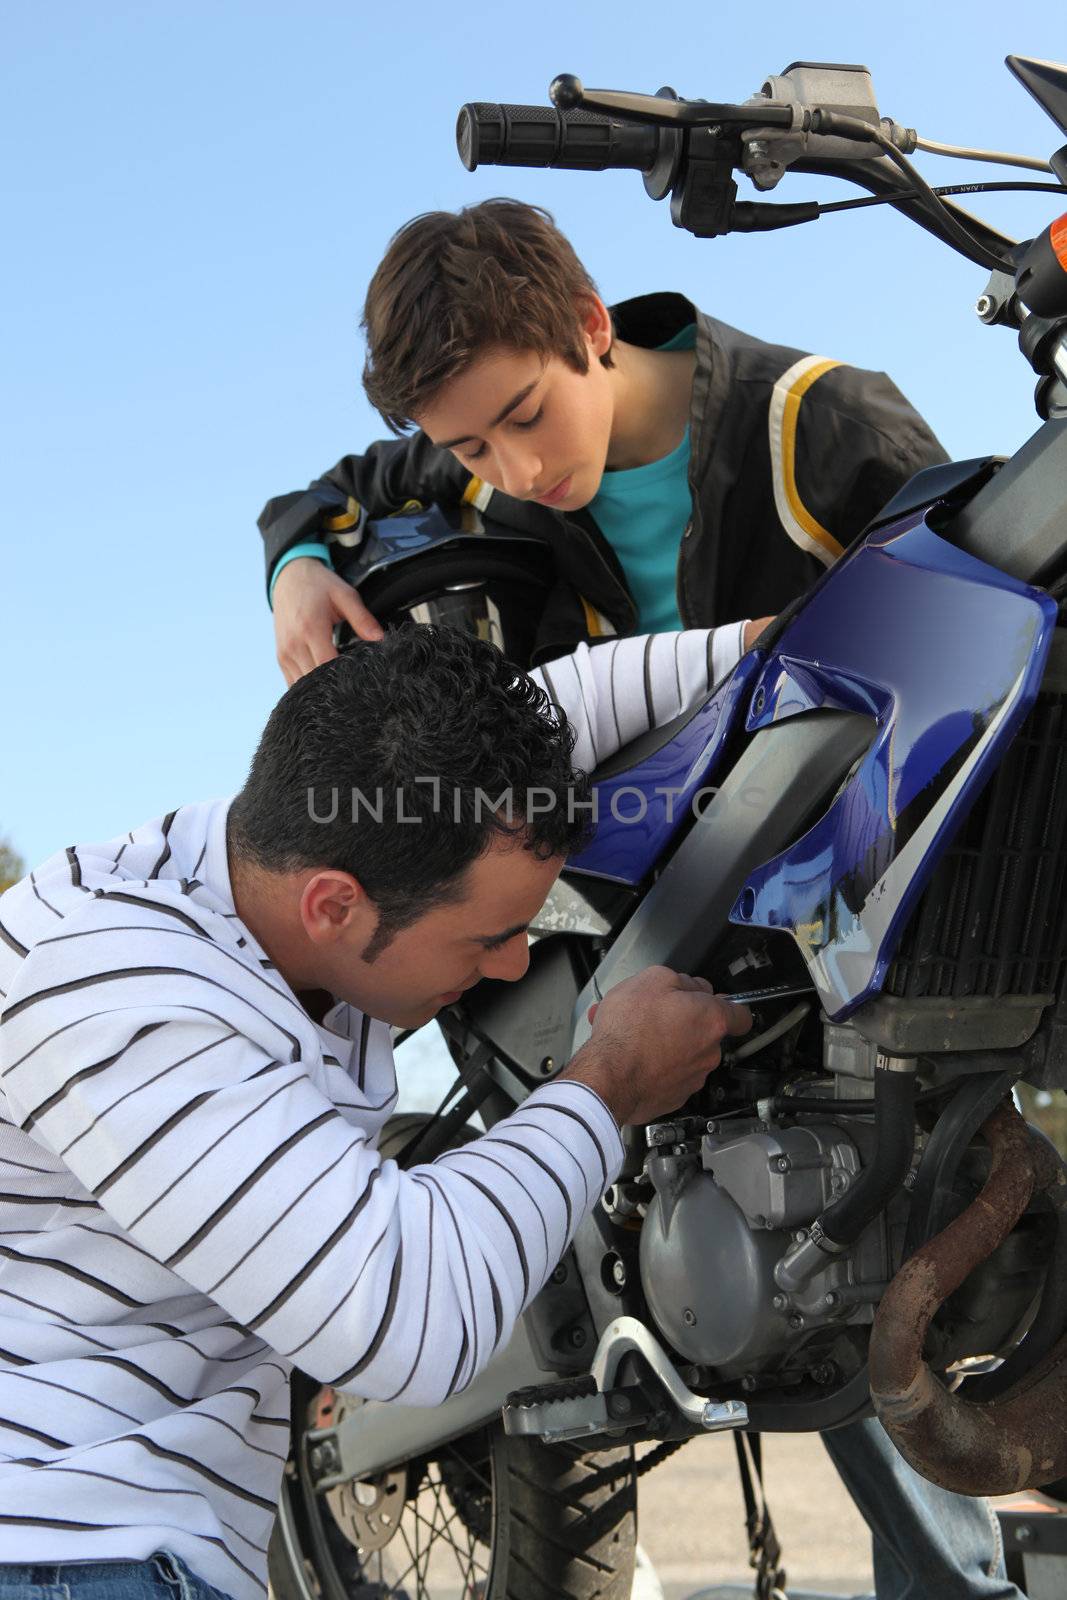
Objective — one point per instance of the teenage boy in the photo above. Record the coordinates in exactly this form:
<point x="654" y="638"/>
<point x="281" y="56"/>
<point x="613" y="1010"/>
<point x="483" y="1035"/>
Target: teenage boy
<point x="192" y="1200"/>
<point x="683" y="473"/>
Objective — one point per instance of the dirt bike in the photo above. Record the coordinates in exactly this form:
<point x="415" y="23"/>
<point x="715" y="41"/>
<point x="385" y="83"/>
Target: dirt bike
<point x="863" y="833"/>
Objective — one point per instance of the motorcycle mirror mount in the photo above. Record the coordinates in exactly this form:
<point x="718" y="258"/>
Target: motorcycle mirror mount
<point x="1047" y="82"/>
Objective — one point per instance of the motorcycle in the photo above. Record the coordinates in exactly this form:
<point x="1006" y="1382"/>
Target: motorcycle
<point x="863" y="834"/>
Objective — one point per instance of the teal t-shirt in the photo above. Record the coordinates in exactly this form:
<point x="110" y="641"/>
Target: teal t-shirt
<point x="642" y="512"/>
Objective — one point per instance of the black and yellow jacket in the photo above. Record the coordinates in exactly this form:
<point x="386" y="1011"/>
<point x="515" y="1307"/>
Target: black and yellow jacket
<point x="791" y="455"/>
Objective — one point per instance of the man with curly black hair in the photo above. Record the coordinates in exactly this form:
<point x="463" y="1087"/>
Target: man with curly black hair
<point x="196" y="1064"/>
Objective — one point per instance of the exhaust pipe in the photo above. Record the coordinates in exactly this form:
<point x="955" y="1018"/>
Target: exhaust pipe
<point x="1019" y="1440"/>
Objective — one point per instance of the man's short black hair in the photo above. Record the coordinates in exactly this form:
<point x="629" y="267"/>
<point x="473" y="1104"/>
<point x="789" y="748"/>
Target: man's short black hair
<point x="400" y="762"/>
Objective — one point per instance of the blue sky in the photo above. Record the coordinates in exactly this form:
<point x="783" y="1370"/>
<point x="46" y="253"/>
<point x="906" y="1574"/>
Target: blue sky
<point x="197" y="195"/>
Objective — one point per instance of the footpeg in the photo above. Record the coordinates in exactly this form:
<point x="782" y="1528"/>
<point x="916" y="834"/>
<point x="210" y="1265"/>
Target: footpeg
<point x="556" y="1411"/>
<point x="575" y="1407"/>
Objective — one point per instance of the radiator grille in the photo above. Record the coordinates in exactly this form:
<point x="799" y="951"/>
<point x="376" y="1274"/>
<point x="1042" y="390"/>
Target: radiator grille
<point x="993" y="920"/>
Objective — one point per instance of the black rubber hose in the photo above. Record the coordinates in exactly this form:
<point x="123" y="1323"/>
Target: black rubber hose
<point x="894" y="1117"/>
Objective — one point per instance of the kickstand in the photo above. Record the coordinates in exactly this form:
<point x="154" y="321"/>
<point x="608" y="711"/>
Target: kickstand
<point x="764" y="1551"/>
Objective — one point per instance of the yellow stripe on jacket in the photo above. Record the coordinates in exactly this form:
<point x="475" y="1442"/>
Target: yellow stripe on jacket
<point x="783" y="413"/>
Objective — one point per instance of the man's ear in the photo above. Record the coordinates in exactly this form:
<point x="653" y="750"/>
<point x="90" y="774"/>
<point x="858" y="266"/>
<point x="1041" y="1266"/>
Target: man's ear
<point x="333" y="905"/>
<point x="597" y="325"/>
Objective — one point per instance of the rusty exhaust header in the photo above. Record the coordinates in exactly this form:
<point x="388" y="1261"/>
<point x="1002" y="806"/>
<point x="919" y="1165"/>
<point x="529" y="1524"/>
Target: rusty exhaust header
<point x="1019" y="1440"/>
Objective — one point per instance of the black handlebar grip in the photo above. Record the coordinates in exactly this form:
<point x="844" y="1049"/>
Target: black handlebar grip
<point x="540" y="136"/>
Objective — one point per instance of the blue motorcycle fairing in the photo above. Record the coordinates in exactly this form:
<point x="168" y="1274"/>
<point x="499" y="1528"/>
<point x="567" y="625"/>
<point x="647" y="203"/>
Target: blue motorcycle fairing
<point x="946" y="654"/>
<point x="637" y="812"/>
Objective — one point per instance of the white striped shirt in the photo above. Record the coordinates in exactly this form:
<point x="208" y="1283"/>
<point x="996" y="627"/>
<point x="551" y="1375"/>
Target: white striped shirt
<point x="191" y="1199"/>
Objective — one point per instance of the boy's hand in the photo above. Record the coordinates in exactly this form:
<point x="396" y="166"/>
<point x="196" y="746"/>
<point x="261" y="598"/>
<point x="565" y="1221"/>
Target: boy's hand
<point x="309" y="599"/>
<point x="655" y="1038"/>
<point x="751" y="633"/>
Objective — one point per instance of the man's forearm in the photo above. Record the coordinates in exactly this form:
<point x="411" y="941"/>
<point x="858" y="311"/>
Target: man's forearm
<point x="598" y="1065"/>
<point x="615" y="692"/>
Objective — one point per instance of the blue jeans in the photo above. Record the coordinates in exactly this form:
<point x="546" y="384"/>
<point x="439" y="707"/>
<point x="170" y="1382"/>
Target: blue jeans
<point x="928" y="1544"/>
<point x="161" y="1577"/>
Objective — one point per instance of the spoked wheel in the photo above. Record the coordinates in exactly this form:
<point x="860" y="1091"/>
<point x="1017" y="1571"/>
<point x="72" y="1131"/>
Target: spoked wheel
<point x="486" y="1517"/>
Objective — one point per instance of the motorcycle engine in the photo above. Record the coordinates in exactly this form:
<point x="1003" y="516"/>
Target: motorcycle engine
<point x="739" y="1206"/>
<point x="728" y="1276"/>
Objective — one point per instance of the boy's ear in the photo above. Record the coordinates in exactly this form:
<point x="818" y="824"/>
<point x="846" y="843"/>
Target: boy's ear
<point x="596" y="325"/>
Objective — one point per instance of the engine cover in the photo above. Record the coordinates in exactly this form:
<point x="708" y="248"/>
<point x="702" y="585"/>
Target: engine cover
<point x="706" y="1274"/>
<point x="782" y="1177"/>
<point x="719" y="1223"/>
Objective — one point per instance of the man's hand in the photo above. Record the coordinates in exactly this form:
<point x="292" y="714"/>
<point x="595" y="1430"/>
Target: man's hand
<point x="655" y="1038"/>
<point x="751" y="633"/>
<point x="308" y="599"/>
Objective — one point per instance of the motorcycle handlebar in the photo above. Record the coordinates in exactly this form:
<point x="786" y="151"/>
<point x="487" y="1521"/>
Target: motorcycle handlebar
<point x="488" y="134"/>
<point x="652" y="134"/>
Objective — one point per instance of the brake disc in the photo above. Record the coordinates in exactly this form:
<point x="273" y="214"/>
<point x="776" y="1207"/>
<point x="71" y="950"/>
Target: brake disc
<point x="368" y="1510"/>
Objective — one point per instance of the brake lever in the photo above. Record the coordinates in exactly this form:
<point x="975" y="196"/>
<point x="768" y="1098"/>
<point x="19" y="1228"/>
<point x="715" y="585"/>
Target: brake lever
<point x="568" y="93"/>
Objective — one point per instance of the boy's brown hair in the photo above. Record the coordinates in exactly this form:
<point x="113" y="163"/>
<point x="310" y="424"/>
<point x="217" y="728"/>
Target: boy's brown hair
<point x="453" y="284"/>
